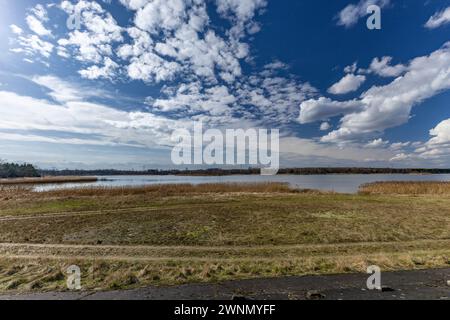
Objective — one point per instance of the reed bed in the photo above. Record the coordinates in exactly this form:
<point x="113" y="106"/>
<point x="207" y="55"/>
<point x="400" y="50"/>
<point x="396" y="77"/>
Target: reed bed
<point x="176" y="189"/>
<point x="13" y="191"/>
<point x="406" y="188"/>
<point x="47" y="180"/>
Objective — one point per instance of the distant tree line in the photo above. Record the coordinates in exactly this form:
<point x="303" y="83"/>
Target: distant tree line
<point x="355" y="170"/>
<point x="249" y="171"/>
<point x="14" y="170"/>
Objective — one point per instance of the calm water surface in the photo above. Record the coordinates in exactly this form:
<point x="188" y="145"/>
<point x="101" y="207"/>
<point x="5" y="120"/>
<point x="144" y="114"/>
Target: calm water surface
<point x="337" y="183"/>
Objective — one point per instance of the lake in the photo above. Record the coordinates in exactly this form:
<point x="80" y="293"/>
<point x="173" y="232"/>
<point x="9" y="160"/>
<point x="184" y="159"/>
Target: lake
<point x="338" y="183"/>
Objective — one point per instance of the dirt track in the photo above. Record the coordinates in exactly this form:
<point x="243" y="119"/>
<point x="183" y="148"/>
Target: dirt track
<point x="195" y="253"/>
<point x="404" y="285"/>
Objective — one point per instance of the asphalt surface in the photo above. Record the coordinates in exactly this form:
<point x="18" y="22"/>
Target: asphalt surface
<point x="403" y="285"/>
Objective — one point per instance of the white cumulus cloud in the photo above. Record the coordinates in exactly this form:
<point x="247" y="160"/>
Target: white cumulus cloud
<point x="388" y="106"/>
<point x="324" y="108"/>
<point x="347" y="84"/>
<point x="383" y="68"/>
<point x="15" y="29"/>
<point x="439" y="19"/>
<point x="351" y="14"/>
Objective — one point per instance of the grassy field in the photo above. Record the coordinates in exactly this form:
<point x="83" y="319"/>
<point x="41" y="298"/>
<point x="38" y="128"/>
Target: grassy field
<point x="160" y="235"/>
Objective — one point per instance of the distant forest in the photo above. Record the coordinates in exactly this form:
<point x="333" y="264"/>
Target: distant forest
<point x="250" y="171"/>
<point x="14" y="170"/>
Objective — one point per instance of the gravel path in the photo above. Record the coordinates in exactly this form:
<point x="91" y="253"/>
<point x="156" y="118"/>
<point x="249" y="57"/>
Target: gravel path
<point x="407" y="285"/>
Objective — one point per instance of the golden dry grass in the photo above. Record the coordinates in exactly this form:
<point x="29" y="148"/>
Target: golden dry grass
<point x="13" y="191"/>
<point x="43" y="274"/>
<point x="407" y="188"/>
<point x="176" y="189"/>
<point x="25" y="192"/>
<point x="46" y="180"/>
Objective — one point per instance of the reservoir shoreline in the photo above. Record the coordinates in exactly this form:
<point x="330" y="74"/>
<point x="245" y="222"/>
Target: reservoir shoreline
<point x="339" y="183"/>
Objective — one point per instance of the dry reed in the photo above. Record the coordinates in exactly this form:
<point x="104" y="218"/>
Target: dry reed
<point x="406" y="188"/>
<point x="47" y="180"/>
<point x="176" y="189"/>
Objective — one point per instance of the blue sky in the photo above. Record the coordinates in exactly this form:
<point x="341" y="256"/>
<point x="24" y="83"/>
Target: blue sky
<point x="109" y="88"/>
